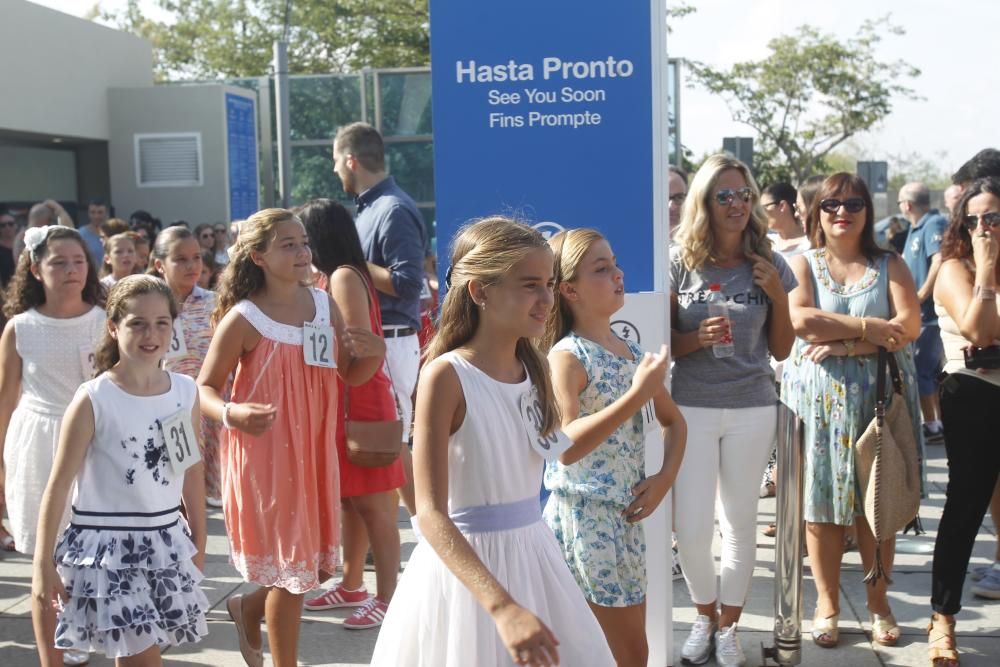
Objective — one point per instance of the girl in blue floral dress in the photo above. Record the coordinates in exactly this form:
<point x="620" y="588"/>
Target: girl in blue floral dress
<point x="125" y="573"/>
<point x="610" y="397"/>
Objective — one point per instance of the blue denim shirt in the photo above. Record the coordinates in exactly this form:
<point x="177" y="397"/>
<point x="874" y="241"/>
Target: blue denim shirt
<point x="393" y="236"/>
<point x="922" y="243"/>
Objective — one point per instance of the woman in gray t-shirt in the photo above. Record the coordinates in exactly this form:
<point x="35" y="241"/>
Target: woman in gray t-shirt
<point x="729" y="403"/>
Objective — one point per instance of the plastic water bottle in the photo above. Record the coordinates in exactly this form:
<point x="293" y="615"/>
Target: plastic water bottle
<point x="717" y="307"/>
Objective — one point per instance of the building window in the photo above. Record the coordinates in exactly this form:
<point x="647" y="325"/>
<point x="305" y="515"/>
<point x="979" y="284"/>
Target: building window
<point x="168" y="160"/>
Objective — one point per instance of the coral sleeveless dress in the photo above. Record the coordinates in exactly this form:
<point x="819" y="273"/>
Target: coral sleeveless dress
<point x="281" y="489"/>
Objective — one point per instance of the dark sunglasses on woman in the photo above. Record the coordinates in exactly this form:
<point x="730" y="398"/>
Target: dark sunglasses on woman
<point x="727" y="196"/>
<point x="988" y="219"/>
<point x="853" y="205"/>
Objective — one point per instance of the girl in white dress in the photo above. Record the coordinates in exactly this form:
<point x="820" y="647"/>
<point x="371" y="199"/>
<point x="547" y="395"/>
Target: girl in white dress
<point x="126" y="570"/>
<point x="46" y="352"/>
<point x="488" y="585"/>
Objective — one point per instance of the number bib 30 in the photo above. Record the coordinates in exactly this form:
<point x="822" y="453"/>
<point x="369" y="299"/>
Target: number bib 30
<point x="550" y="446"/>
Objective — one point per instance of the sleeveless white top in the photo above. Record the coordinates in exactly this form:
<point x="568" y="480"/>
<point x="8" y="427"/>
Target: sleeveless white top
<point x="953" y="341"/>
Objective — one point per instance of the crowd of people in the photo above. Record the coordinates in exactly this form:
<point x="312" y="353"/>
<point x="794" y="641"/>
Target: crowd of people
<point x="147" y="373"/>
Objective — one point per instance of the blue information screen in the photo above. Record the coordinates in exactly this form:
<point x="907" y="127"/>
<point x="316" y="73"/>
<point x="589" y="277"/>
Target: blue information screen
<point x="241" y="133"/>
<point x="543" y="111"/>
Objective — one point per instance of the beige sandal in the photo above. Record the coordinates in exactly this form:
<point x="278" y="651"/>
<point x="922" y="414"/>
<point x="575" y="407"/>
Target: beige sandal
<point x="885" y="630"/>
<point x="254" y="657"/>
<point x="941" y="645"/>
<point x="826" y="627"/>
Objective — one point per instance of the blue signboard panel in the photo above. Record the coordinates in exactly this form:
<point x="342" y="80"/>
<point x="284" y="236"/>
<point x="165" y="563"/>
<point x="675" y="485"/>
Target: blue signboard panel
<point x="543" y="111"/>
<point x="241" y="134"/>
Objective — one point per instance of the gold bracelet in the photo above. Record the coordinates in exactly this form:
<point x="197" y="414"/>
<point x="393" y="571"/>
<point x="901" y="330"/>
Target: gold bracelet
<point x="864" y="329"/>
<point x="849" y="346"/>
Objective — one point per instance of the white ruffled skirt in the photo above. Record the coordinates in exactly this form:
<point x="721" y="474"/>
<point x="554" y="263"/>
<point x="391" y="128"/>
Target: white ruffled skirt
<point x="129" y="590"/>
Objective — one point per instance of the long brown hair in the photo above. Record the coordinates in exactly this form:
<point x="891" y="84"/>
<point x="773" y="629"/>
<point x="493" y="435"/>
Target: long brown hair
<point x="242" y="277"/>
<point x="957" y="241"/>
<point x="485" y="251"/>
<point x="107" y="353"/>
<point x="569" y="246"/>
<point x="26" y="291"/>
<point x="840" y="184"/>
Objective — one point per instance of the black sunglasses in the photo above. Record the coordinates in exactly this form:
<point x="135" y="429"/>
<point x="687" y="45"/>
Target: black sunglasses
<point x="727" y="196"/>
<point x="992" y="219"/>
<point x="853" y="205"/>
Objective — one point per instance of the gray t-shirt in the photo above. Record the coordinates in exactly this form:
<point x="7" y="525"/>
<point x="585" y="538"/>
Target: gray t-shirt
<point x="744" y="380"/>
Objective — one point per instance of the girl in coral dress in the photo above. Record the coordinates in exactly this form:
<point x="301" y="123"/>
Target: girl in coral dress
<point x="280" y="487"/>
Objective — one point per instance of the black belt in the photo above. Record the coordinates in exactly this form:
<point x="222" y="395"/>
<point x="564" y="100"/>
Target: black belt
<point x="398" y="333"/>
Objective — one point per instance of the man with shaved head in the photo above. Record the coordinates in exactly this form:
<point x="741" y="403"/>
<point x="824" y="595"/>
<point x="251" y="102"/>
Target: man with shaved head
<point x="48" y="212"/>
<point x="922" y="253"/>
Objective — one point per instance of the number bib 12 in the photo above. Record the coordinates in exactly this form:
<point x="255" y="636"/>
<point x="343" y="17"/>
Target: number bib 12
<point x="179" y="437"/>
<point x="177" y="347"/>
<point x="317" y="345"/>
<point x="87" y="361"/>
<point x="550" y="446"/>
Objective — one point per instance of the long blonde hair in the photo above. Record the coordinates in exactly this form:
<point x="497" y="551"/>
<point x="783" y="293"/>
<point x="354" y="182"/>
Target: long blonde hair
<point x="695" y="237"/>
<point x="242" y="277"/>
<point x="569" y="247"/>
<point x="107" y="353"/>
<point x="485" y="251"/>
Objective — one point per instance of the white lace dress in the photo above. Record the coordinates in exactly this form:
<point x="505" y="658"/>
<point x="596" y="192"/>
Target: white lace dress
<point x="433" y="619"/>
<point x="56" y="358"/>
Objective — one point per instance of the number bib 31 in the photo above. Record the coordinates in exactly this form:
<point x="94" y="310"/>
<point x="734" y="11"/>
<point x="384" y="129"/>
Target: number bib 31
<point x="179" y="437"/>
<point x="317" y="345"/>
<point x="550" y="446"/>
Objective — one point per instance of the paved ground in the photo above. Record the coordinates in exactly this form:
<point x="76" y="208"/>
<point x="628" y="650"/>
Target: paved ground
<point x="325" y="643"/>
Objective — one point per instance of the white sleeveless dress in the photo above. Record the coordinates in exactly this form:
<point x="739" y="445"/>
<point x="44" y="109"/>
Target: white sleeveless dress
<point x="433" y="620"/>
<point x="125" y="558"/>
<point x="55" y="360"/>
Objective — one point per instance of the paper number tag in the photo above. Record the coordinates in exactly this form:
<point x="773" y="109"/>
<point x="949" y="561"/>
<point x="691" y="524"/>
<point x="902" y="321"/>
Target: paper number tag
<point x="87" y="360"/>
<point x="317" y="345"/>
<point x="177" y="346"/>
<point x="550" y="446"/>
<point x="649" y="422"/>
<point x="182" y="446"/>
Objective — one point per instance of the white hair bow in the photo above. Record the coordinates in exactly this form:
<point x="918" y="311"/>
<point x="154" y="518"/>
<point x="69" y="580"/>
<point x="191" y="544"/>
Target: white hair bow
<point x="35" y="236"/>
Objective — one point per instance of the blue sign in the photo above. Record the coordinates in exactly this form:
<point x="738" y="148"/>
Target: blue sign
<point x="241" y="134"/>
<point x="544" y="111"/>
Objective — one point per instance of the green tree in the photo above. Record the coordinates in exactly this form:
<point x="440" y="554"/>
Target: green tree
<point x="211" y="39"/>
<point x="810" y="94"/>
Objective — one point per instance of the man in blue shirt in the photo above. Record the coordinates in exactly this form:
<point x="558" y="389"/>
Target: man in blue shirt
<point x="922" y="254"/>
<point x="394" y="239"/>
<point x="97" y="215"/>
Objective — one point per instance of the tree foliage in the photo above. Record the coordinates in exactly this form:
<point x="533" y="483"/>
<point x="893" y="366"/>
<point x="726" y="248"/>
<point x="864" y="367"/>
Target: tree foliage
<point x="811" y="93"/>
<point x="210" y="39"/>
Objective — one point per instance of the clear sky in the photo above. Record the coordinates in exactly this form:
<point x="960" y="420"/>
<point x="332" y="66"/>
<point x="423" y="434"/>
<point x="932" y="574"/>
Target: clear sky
<point x="954" y="45"/>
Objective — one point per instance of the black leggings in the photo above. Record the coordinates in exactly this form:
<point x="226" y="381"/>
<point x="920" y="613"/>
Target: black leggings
<point x="970" y="410"/>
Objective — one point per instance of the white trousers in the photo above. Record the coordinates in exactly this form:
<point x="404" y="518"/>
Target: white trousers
<point x="727" y="449"/>
<point x="402" y="356"/>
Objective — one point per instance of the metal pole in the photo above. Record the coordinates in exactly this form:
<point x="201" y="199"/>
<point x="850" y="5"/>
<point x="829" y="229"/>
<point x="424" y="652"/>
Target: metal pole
<point x="266" y="138"/>
<point x="284" y="127"/>
<point x="787" y="649"/>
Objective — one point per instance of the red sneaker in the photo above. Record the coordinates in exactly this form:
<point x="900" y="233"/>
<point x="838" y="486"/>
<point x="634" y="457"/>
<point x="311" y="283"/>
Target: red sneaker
<point x="338" y="597"/>
<point x="369" y="616"/>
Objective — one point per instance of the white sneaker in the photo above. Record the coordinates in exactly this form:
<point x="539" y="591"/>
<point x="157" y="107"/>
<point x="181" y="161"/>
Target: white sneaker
<point x="74" y="657"/>
<point x="728" y="651"/>
<point x="697" y="648"/>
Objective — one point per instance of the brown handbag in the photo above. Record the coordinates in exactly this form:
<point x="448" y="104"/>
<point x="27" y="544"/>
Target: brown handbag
<point x="372" y="444"/>
<point x="887" y="464"/>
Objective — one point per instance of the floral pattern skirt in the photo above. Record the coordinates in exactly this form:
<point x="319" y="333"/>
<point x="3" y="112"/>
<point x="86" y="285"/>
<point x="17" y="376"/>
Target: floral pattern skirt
<point x="836" y="401"/>
<point x="129" y="590"/>
<point x="605" y="553"/>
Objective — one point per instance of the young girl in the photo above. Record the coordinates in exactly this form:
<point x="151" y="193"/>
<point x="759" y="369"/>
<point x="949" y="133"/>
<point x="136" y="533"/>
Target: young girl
<point x="46" y="352"/>
<point x="279" y="467"/>
<point x="488" y="582"/>
<point x="368" y="496"/>
<point x="177" y="260"/>
<point x="125" y="575"/>
<point x="600" y="492"/>
<point x="119" y="258"/>
<point x="142" y="248"/>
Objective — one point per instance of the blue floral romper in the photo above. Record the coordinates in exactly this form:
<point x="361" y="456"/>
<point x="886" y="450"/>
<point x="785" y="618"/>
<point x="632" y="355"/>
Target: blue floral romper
<point x="606" y="554"/>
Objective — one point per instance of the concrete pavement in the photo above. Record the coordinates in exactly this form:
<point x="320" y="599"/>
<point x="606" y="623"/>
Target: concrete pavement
<point x="324" y="642"/>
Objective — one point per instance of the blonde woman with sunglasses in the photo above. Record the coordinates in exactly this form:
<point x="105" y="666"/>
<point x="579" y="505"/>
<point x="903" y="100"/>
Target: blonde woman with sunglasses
<point x="729" y="404"/>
